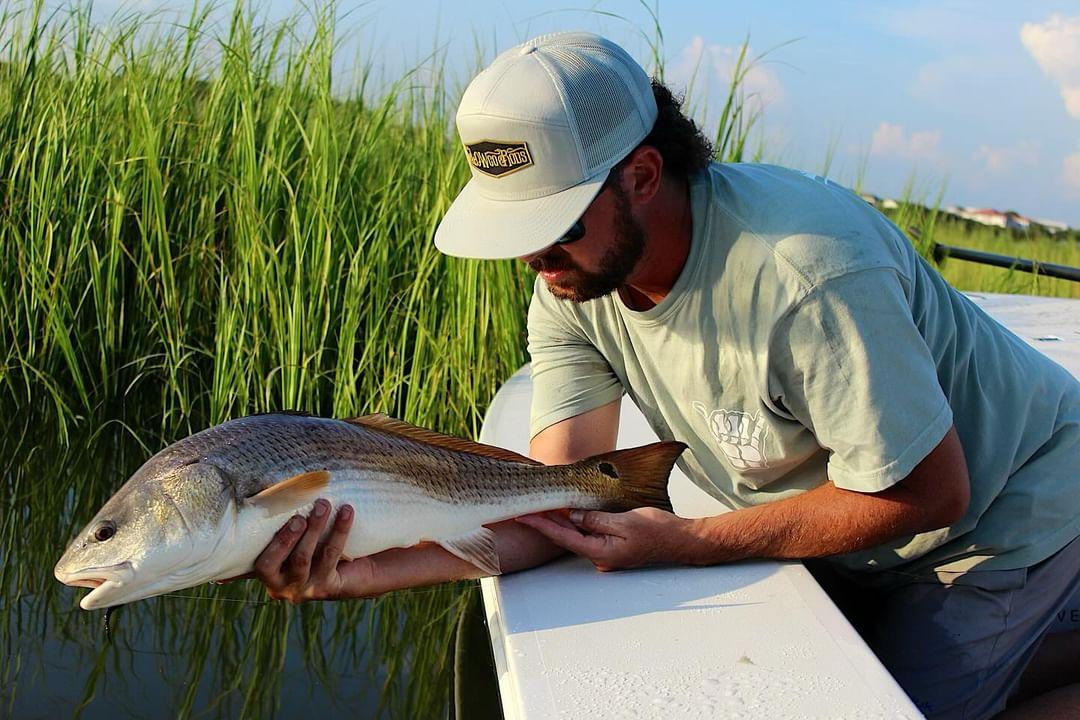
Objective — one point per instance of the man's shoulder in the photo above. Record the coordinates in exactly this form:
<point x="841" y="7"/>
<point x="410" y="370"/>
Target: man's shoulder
<point x="808" y="226"/>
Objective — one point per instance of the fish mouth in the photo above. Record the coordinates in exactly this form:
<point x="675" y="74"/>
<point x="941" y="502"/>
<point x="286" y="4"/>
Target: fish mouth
<point x="118" y="585"/>
<point x="101" y="579"/>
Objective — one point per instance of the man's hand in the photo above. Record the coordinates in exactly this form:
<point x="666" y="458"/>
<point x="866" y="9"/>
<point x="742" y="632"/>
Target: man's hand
<point x="644" y="536"/>
<point x="296" y="567"/>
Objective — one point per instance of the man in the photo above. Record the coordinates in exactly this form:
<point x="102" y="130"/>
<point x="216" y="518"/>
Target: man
<point x="829" y="384"/>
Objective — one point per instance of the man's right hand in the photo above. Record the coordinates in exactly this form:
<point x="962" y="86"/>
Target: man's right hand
<point x="296" y="567"/>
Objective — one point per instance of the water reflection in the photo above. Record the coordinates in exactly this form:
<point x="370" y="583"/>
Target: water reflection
<point x="207" y="652"/>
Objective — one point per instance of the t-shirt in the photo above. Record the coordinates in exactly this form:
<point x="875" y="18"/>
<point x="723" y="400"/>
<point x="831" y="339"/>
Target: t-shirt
<point x="806" y="339"/>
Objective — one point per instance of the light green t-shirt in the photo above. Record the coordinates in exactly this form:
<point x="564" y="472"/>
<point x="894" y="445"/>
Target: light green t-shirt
<point x="804" y="339"/>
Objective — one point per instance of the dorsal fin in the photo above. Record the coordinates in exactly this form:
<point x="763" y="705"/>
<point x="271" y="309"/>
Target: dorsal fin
<point x="297" y="413"/>
<point x="385" y="423"/>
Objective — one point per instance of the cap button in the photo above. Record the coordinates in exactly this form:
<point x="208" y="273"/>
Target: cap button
<point x="528" y="49"/>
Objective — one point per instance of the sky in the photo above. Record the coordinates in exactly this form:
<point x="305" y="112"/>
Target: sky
<point x="978" y="102"/>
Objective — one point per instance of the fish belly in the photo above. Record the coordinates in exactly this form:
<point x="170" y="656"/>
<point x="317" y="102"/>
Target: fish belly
<point x="393" y="512"/>
<point x="390" y="512"/>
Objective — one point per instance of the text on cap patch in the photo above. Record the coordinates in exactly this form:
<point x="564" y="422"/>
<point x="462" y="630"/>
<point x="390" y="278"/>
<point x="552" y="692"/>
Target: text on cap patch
<point x="498" y="158"/>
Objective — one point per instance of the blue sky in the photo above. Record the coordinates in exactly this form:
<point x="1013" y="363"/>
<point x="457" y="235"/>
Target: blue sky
<point x="981" y="98"/>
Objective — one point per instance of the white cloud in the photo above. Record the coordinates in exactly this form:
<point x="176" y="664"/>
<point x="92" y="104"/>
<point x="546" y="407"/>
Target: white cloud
<point x="1055" y="45"/>
<point x="890" y="139"/>
<point x="711" y="67"/>
<point x="925" y="144"/>
<point x="941" y="81"/>
<point x="1070" y="172"/>
<point x="952" y="24"/>
<point x="999" y="159"/>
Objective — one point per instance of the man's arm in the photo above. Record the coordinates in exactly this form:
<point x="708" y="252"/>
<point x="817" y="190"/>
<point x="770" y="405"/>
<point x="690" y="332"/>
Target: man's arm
<point x="579" y="437"/>
<point x="830" y="521"/>
<point x="295" y="567"/>
<point x="824" y="521"/>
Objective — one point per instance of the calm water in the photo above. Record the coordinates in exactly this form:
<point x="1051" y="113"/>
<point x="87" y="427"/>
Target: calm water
<point x="216" y="652"/>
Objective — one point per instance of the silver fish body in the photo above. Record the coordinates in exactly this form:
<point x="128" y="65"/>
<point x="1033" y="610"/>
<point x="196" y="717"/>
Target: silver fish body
<point x="206" y="506"/>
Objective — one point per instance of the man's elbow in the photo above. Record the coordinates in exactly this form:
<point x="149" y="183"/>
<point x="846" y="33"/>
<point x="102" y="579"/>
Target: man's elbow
<point x="941" y="484"/>
<point x="952" y="506"/>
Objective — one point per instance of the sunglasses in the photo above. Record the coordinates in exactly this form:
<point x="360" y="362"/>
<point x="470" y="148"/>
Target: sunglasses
<point x="577" y="230"/>
<point x="575" y="233"/>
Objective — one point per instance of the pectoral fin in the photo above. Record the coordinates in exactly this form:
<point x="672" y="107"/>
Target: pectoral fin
<point x="293" y="493"/>
<point x="476" y="547"/>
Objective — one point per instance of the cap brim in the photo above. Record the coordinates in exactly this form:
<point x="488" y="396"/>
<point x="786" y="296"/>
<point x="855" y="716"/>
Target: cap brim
<point x="479" y="227"/>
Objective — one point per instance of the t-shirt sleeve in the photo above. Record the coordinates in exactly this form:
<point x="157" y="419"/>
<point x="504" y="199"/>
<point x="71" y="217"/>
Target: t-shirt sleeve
<point x="569" y="375"/>
<point x="849" y="363"/>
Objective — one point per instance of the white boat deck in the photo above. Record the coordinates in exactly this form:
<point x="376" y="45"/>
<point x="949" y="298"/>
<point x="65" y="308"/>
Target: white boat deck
<point x="749" y="640"/>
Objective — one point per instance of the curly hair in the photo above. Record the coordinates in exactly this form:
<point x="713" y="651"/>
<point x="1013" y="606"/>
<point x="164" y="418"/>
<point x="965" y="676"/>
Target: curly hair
<point x="678" y="139"/>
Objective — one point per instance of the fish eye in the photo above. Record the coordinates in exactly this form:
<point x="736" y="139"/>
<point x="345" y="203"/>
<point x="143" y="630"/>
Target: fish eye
<point x="106" y="531"/>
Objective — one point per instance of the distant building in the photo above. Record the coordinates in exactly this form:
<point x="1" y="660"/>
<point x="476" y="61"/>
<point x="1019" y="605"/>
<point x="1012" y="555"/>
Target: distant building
<point x="1008" y="219"/>
<point x="986" y="216"/>
<point x="1052" y="227"/>
<point x="1016" y="221"/>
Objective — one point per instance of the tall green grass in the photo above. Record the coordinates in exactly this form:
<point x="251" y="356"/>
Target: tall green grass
<point x="214" y="238"/>
<point x="195" y="224"/>
<point x="1060" y="249"/>
<point x="927" y="225"/>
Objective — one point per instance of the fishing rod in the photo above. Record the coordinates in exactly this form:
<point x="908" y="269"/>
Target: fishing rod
<point x="1054" y="270"/>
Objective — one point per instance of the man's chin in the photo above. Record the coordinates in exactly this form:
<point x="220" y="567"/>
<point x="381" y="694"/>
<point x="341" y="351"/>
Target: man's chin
<point x="563" y="292"/>
<point x="576" y="293"/>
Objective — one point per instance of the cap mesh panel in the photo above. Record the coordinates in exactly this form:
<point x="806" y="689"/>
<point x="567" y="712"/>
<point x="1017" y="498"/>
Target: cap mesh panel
<point x="601" y="103"/>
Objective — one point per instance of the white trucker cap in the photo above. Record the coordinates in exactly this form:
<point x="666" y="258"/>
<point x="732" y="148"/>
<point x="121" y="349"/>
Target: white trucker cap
<point x="542" y="126"/>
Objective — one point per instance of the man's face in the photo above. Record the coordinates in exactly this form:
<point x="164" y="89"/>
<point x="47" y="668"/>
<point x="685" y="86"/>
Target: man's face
<point x="602" y="260"/>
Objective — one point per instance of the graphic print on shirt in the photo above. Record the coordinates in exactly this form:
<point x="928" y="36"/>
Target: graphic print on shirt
<point x="741" y="436"/>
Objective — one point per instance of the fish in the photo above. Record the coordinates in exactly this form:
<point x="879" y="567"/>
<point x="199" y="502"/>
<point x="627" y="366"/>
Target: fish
<point x="205" y="507"/>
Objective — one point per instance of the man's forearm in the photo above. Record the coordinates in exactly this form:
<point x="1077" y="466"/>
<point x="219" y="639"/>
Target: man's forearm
<point x="830" y="521"/>
<point x="518" y="548"/>
<point x="824" y="521"/>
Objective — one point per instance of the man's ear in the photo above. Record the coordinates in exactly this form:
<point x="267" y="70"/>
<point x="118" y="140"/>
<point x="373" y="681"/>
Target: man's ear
<point x="642" y="174"/>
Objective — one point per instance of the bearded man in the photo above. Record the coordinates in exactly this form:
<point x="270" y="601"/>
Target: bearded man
<point x="831" y="387"/>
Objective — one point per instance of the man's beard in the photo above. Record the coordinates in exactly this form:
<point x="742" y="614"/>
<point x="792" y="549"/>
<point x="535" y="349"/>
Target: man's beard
<point x="616" y="264"/>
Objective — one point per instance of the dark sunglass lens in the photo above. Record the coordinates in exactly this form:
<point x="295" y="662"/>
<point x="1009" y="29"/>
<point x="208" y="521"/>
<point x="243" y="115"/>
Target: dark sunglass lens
<point x="575" y="233"/>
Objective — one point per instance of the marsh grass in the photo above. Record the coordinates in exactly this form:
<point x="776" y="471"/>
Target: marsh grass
<point x="925" y="225"/>
<point x="196" y="226"/>
<point x="1063" y="250"/>
<point x="221" y="240"/>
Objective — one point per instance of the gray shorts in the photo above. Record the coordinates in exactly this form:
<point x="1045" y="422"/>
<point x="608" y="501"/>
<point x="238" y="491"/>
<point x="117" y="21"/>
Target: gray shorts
<point x="958" y="643"/>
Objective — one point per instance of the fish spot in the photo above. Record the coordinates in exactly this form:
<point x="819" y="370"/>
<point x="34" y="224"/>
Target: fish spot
<point x="608" y="469"/>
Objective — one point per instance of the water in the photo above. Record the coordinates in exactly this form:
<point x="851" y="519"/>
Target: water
<point x="157" y="665"/>
<point x="207" y="652"/>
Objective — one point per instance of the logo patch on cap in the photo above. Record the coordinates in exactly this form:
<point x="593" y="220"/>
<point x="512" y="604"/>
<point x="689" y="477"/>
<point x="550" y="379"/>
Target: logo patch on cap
<point x="497" y="158"/>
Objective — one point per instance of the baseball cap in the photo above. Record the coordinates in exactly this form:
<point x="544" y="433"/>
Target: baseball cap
<point x="542" y="126"/>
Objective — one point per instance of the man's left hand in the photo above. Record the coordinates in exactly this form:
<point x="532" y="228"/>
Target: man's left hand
<point x="644" y="536"/>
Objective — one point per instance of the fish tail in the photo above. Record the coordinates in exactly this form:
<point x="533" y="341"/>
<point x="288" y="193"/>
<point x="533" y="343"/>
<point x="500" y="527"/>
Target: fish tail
<point x="641" y="473"/>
